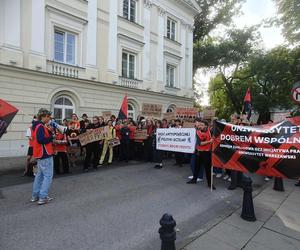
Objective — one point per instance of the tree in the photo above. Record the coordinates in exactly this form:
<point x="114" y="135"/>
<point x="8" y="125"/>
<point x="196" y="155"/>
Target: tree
<point x="214" y="13"/>
<point x="270" y="75"/>
<point x="289" y="18"/>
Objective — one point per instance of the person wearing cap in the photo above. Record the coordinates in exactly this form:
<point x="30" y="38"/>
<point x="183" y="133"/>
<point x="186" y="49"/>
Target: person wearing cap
<point x="43" y="152"/>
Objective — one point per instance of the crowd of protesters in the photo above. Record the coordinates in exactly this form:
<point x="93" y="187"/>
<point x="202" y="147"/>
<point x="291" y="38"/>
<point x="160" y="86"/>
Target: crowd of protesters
<point x="66" y="148"/>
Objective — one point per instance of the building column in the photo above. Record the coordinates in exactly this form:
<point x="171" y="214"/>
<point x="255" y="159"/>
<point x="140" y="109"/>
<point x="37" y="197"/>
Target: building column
<point x="147" y="46"/>
<point x="160" y="45"/>
<point x="91" y="45"/>
<point x="189" y="83"/>
<point x="11" y="41"/>
<point x="182" y="70"/>
<point x="37" y="58"/>
<point x="112" y="36"/>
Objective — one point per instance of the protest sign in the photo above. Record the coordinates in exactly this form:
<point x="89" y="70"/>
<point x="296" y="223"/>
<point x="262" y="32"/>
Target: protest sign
<point x="93" y="135"/>
<point x="152" y="110"/>
<point x="169" y="116"/>
<point x="269" y="150"/>
<point x="106" y="115"/>
<point x="141" y="134"/>
<point x="188" y="125"/>
<point x="186" y="114"/>
<point x="176" y="139"/>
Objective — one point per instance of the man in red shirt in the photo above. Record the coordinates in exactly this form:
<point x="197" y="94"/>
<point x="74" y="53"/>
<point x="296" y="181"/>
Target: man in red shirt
<point x="203" y="150"/>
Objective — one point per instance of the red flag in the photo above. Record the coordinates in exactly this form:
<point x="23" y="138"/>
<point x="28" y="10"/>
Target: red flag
<point x="248" y="96"/>
<point x="247" y="107"/>
<point x="7" y="113"/>
<point x="123" y="113"/>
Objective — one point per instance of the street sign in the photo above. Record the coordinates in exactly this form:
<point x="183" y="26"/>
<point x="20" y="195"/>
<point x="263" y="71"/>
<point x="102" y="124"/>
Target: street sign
<point x="296" y="92"/>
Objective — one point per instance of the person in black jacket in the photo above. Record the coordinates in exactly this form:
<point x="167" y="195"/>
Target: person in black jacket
<point x="158" y="154"/>
<point x="92" y="148"/>
<point x="125" y="142"/>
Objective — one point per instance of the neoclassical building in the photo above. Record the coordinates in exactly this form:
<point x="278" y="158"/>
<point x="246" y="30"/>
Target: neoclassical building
<point x="83" y="56"/>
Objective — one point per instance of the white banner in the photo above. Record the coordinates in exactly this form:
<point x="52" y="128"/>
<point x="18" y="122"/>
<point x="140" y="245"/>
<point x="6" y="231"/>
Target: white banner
<point x="176" y="139"/>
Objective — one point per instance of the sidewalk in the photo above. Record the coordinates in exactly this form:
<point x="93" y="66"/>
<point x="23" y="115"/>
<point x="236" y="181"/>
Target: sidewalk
<point x="277" y="226"/>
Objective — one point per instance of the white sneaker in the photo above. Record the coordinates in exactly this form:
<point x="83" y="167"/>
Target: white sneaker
<point x="214" y="173"/>
<point x="267" y="179"/>
<point x="225" y="177"/>
<point x="229" y="179"/>
<point x="218" y="175"/>
<point x="190" y="177"/>
<point x="199" y="180"/>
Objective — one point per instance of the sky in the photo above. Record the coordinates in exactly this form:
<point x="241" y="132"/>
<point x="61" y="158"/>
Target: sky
<point x="254" y="11"/>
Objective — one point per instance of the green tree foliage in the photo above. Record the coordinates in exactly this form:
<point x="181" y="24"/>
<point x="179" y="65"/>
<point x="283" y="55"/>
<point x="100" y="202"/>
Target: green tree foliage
<point x="269" y="74"/>
<point x="214" y="13"/>
<point x="289" y="18"/>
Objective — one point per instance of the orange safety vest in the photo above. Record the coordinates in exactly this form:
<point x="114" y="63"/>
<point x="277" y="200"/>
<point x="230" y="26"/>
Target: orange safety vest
<point x="38" y="149"/>
<point x="202" y="137"/>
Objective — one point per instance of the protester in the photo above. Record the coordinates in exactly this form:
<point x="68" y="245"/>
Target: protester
<point x="29" y="134"/>
<point x="110" y="135"/>
<point x="113" y="120"/>
<point x="158" y="154"/>
<point x="132" y="129"/>
<point x="203" y="148"/>
<point x="60" y="152"/>
<point x="83" y="121"/>
<point x="139" y="144"/>
<point x="179" y="157"/>
<point x="125" y="142"/>
<point x="75" y="121"/>
<point x="93" y="148"/>
<point x="74" y="144"/>
<point x="149" y="142"/>
<point x="43" y="152"/>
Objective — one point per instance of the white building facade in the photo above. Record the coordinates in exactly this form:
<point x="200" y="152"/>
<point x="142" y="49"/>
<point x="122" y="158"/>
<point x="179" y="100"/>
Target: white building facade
<point x="78" y="56"/>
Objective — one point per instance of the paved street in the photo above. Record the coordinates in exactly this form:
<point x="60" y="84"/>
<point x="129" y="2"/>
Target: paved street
<point x="113" y="208"/>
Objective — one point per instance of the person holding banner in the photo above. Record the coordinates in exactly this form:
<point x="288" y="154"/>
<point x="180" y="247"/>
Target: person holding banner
<point x="158" y="154"/>
<point x="110" y="135"/>
<point x="93" y="148"/>
<point x="203" y="150"/>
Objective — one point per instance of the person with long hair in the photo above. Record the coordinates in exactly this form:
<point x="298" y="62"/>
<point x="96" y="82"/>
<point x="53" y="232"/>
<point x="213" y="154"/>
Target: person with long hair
<point x="158" y="154"/>
<point x="111" y="134"/>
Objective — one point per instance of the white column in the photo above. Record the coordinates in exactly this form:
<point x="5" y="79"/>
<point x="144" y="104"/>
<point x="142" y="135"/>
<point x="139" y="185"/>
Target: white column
<point x="38" y="27"/>
<point x="147" y="55"/>
<point x="160" y="45"/>
<point x="12" y="23"/>
<point x="91" y="48"/>
<point x="190" y="57"/>
<point x="112" y="36"/>
<point x="182" y="70"/>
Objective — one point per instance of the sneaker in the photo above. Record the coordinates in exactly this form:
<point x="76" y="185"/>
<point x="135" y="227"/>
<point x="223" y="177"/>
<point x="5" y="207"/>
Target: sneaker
<point x="229" y="179"/>
<point x="218" y="175"/>
<point x="45" y="201"/>
<point x="226" y="177"/>
<point x="34" y="199"/>
<point x="192" y="181"/>
<point x="267" y="179"/>
<point x="214" y="173"/>
<point x="199" y="179"/>
<point x="190" y="177"/>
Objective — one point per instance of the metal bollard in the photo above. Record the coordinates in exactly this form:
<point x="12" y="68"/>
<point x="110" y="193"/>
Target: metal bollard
<point x="278" y="184"/>
<point x="167" y="232"/>
<point x="248" y="208"/>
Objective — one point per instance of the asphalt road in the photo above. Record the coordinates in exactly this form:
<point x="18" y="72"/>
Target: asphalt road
<point x="115" y="208"/>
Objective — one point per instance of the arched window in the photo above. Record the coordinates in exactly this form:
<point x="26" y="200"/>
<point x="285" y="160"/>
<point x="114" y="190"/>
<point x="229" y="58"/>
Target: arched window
<point x="131" y="111"/>
<point x="63" y="108"/>
<point x="171" y="109"/>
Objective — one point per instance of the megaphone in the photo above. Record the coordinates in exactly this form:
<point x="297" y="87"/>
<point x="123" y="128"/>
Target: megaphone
<point x="60" y="128"/>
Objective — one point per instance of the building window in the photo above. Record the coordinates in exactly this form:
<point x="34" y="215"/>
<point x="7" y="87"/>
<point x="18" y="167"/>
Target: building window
<point x="131" y="111"/>
<point x="63" y="108"/>
<point x="129" y="10"/>
<point x="128" y="65"/>
<point x="171" y="29"/>
<point x="64" y="47"/>
<point x="170" y="75"/>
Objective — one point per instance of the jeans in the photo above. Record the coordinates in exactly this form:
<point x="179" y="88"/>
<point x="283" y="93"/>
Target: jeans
<point x="193" y="166"/>
<point x="43" y="178"/>
<point x="203" y="159"/>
